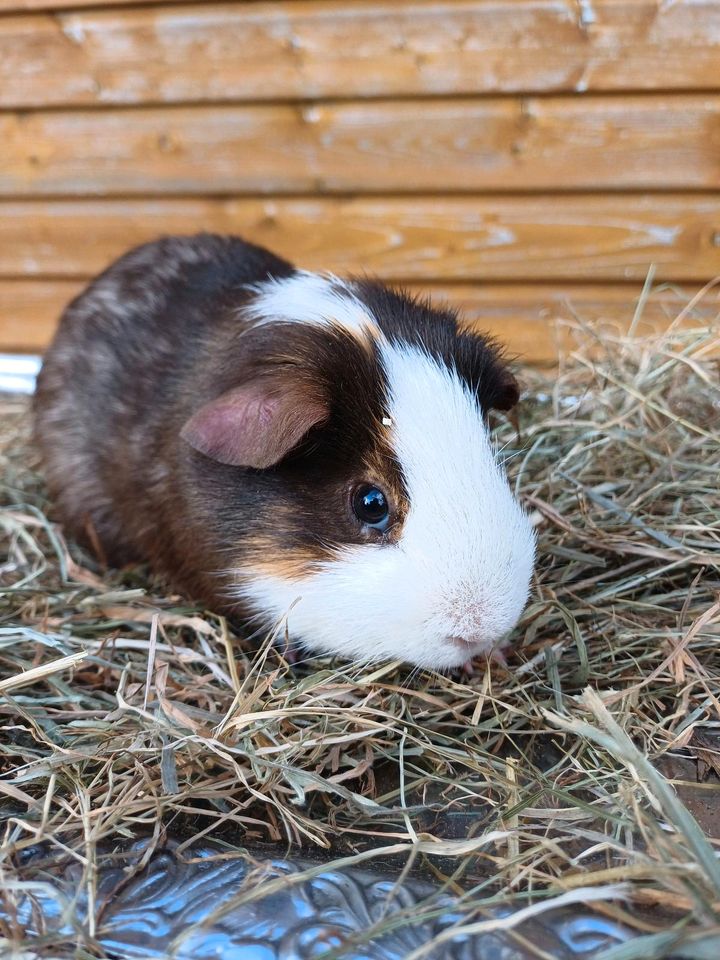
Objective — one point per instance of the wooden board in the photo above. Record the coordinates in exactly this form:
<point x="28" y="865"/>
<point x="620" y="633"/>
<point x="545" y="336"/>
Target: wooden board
<point x="11" y="6"/>
<point x="522" y="315"/>
<point x="414" y="239"/>
<point x="549" y="143"/>
<point x="305" y="50"/>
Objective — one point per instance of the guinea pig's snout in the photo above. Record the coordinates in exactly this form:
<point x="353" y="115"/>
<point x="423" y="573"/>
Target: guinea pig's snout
<point x="479" y="621"/>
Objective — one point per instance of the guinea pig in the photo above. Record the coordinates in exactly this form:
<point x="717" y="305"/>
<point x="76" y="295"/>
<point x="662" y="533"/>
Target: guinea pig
<point x="284" y="443"/>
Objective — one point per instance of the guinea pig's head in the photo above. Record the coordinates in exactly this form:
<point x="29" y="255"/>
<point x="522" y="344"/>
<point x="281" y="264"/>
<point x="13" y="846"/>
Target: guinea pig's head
<point x="367" y="502"/>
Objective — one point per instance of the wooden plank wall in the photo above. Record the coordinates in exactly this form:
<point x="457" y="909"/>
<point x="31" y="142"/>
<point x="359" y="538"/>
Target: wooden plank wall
<point x="522" y="158"/>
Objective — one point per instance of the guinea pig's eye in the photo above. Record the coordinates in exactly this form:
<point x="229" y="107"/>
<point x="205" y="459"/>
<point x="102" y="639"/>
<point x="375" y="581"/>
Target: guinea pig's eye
<point x="371" y="507"/>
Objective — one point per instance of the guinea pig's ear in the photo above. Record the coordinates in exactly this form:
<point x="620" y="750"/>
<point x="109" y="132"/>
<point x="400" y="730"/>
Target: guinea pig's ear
<point x="507" y="392"/>
<point x="256" y="424"/>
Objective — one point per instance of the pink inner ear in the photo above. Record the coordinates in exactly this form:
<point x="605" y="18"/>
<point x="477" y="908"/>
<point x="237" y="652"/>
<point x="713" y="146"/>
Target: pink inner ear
<point x="254" y="425"/>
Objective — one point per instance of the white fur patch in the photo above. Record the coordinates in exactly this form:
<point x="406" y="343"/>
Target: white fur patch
<point x="309" y="298"/>
<point x="463" y="563"/>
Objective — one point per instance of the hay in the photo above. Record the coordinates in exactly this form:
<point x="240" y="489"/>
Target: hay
<point x="125" y="711"/>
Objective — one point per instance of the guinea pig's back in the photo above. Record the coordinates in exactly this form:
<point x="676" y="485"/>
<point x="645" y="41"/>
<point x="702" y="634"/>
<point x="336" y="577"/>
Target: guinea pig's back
<point x="117" y="380"/>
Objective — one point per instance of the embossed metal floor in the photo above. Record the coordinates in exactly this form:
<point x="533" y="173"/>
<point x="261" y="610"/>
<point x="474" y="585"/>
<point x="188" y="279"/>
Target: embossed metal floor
<point x="214" y="903"/>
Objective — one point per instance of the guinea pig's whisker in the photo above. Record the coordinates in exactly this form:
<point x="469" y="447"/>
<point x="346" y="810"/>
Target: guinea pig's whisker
<point x="511" y="456"/>
<point x="414" y="675"/>
<point x="499" y="449"/>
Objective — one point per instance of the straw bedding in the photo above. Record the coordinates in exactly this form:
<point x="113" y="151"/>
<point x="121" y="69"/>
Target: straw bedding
<point x="125" y="711"/>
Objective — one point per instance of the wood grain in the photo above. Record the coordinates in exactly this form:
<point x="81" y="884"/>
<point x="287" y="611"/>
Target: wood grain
<point x="12" y="6"/>
<point x="523" y="316"/>
<point x="610" y="142"/>
<point x="413" y="239"/>
<point x="29" y="311"/>
<point x="306" y="50"/>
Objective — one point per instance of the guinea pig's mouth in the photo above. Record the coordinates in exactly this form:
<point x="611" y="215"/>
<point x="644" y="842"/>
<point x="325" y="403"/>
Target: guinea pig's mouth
<point x="473" y="643"/>
<point x="473" y="647"/>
